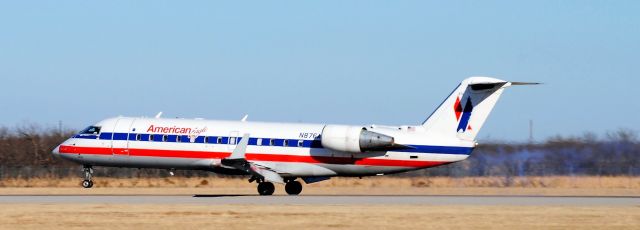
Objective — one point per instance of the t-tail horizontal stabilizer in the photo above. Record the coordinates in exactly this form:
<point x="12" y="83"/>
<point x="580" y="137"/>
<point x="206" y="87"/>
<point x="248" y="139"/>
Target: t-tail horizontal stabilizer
<point x="238" y="161"/>
<point x="525" y="83"/>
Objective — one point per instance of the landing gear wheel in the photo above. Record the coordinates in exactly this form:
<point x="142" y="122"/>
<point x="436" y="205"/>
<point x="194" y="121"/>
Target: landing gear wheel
<point x="87" y="183"/>
<point x="88" y="173"/>
<point x="293" y="188"/>
<point x="266" y="188"/>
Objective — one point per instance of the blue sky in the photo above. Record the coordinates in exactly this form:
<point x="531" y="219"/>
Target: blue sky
<point x="352" y="62"/>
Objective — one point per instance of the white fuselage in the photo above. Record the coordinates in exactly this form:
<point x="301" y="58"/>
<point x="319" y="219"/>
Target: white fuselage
<point x="290" y="149"/>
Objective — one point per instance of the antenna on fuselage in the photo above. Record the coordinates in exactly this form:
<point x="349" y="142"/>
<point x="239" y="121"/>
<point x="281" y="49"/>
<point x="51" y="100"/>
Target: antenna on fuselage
<point x="158" y="115"/>
<point x="244" y="118"/>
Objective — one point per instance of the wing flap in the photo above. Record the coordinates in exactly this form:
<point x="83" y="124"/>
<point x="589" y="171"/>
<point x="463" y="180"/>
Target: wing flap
<point x="266" y="173"/>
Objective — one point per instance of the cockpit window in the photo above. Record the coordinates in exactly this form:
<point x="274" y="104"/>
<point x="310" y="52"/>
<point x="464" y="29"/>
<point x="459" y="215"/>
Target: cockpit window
<point x="91" y="130"/>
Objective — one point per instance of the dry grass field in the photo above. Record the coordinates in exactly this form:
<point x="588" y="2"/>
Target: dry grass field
<point x="579" y="186"/>
<point x="383" y="181"/>
<point x="358" y="216"/>
<point x="90" y="216"/>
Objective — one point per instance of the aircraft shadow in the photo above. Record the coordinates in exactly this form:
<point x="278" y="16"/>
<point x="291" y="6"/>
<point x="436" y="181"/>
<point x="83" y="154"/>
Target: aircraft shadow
<point x="220" y="195"/>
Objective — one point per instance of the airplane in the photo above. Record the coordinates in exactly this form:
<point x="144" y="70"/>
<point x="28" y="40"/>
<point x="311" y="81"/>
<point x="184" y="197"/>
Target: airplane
<point x="282" y="153"/>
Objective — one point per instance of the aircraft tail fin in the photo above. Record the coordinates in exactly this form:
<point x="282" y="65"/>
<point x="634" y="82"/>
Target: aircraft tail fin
<point x="464" y="112"/>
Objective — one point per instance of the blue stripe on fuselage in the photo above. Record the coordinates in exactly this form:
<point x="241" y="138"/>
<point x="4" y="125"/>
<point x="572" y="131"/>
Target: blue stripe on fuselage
<point x="437" y="149"/>
<point x="265" y="142"/>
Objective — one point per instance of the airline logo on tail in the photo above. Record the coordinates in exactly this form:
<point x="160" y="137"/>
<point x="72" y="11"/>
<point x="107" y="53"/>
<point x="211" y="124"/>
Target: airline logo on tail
<point x="463" y="114"/>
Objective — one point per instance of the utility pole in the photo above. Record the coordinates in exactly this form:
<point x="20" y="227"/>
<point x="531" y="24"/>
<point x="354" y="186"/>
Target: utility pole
<point x="530" y="131"/>
<point x="60" y="127"/>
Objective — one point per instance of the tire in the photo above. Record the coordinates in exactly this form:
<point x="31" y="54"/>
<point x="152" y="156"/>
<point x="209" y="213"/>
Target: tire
<point x="87" y="184"/>
<point x="266" y="188"/>
<point x="293" y="188"/>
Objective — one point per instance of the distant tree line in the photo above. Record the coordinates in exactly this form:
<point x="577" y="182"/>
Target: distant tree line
<point x="25" y="151"/>
<point x="615" y="154"/>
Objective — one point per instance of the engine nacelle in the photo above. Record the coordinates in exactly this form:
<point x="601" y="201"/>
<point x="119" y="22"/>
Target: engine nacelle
<point x="354" y="139"/>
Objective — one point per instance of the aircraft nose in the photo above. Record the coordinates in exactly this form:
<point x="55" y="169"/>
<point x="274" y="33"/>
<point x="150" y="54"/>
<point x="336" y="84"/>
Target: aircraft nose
<point x="56" y="151"/>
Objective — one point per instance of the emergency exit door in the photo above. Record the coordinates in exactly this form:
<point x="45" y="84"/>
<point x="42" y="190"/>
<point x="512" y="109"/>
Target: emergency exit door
<point x="233" y="139"/>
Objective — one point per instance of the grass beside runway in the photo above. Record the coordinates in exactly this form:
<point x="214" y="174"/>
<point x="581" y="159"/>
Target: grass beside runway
<point x="123" y="216"/>
<point x="553" y="186"/>
<point x="580" y="182"/>
<point x="311" y="190"/>
<point x="306" y="216"/>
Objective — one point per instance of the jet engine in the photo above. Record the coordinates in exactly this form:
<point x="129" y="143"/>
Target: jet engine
<point x="355" y="139"/>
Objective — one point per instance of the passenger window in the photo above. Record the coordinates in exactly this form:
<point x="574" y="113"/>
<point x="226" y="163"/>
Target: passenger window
<point x="285" y="143"/>
<point x="219" y="140"/>
<point x="138" y="137"/>
<point x="272" y="142"/>
<point x="206" y="139"/>
<point x="259" y="141"/>
<point x="232" y="140"/>
<point x="300" y="143"/>
<point x="165" y="138"/>
<point x="150" y="137"/>
<point x="91" y="130"/>
<point x="178" y="139"/>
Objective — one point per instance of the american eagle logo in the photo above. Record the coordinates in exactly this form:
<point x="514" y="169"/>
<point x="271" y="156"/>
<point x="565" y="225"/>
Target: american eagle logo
<point x="463" y="114"/>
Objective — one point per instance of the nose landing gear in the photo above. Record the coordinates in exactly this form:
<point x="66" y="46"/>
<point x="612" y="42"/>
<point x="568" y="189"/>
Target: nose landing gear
<point x="87" y="183"/>
<point x="88" y="172"/>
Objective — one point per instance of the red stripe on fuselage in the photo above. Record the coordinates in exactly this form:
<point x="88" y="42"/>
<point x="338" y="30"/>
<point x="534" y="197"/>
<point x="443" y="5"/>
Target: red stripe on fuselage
<point x="250" y="156"/>
<point x="84" y="150"/>
<point x="177" y="153"/>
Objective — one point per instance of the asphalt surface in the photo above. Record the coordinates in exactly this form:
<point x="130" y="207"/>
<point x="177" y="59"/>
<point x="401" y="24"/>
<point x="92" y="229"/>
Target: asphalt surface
<point x="322" y="199"/>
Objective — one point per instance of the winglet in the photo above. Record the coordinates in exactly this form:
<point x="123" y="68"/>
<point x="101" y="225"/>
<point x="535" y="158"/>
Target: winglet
<point x="241" y="148"/>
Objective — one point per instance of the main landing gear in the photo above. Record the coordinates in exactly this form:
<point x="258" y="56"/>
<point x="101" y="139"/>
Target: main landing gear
<point x="292" y="187"/>
<point x="88" y="172"/>
<point x="266" y="188"/>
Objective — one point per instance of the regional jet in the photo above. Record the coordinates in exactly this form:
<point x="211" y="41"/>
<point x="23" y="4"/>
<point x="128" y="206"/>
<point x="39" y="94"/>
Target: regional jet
<point x="287" y="153"/>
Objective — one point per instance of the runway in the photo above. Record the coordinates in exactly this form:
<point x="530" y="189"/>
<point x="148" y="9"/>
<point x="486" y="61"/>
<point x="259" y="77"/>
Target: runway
<point x="324" y="200"/>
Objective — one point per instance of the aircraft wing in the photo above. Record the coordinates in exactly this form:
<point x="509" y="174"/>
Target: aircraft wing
<point x="237" y="160"/>
<point x="266" y="173"/>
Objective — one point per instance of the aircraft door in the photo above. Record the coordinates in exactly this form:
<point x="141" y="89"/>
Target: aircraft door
<point x="120" y="140"/>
